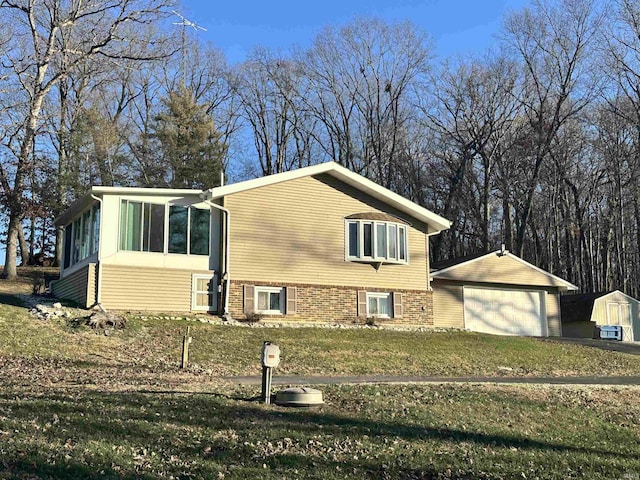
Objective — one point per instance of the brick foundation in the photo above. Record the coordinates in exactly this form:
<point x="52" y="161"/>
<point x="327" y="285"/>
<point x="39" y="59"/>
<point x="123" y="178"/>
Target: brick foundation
<point x="337" y="304"/>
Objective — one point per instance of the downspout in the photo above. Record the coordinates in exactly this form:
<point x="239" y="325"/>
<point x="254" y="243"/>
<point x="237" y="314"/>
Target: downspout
<point x="99" y="286"/>
<point x="226" y="275"/>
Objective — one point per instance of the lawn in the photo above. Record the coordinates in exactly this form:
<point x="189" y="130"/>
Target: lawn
<point x="222" y="350"/>
<point x="401" y="431"/>
<point x="76" y="403"/>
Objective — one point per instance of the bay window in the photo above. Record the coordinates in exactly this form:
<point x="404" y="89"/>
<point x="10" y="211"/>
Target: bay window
<point x="376" y="241"/>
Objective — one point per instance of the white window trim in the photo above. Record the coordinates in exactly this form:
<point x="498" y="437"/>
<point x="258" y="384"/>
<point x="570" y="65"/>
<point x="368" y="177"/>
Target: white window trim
<point x="375" y="258"/>
<point x="91" y="254"/>
<point x="381" y="295"/>
<point x="165" y="239"/>
<point x="280" y="290"/>
<point x="194" y="292"/>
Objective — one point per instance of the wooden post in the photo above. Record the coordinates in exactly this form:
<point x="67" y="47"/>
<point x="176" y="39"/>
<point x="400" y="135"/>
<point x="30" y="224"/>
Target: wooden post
<point x="186" y="340"/>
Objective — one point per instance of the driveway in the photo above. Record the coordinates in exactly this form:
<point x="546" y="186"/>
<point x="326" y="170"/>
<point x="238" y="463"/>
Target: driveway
<point x="624" y="347"/>
<point x="387" y="379"/>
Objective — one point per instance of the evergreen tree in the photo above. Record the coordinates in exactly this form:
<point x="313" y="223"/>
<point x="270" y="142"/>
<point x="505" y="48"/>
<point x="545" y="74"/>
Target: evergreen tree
<point x="191" y="149"/>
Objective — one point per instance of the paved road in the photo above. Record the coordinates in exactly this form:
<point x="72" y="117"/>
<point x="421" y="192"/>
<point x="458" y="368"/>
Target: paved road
<point x="625" y="347"/>
<point x="327" y="380"/>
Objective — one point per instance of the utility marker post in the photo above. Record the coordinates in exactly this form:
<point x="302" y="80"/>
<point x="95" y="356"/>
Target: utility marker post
<point x="270" y="359"/>
<point x="186" y="341"/>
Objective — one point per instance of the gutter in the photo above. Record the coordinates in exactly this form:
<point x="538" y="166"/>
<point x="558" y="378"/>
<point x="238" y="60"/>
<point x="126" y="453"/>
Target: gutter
<point x="99" y="263"/>
<point x="226" y="275"/>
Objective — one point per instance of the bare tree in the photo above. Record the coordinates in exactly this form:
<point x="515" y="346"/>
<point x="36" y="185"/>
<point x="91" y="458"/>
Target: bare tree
<point x="554" y="43"/>
<point x="474" y="109"/>
<point x="362" y="78"/>
<point x="52" y="38"/>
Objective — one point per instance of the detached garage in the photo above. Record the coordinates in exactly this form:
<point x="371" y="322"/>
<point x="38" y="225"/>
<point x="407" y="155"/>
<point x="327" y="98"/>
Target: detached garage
<point x="497" y="293"/>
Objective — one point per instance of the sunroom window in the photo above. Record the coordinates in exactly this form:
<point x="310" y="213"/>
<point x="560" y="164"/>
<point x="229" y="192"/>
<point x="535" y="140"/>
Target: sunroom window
<point x="376" y="241"/>
<point x="143" y="225"/>
<point x="82" y="237"/>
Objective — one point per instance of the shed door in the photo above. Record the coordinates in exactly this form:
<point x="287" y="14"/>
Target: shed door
<point x="504" y="312"/>
<point x="620" y="314"/>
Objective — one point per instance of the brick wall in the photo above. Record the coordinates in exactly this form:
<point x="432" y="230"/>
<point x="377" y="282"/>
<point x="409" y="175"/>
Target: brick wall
<point x="320" y="303"/>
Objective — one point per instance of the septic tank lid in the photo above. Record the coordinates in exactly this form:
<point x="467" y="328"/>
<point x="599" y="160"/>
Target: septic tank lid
<point x="299" y="397"/>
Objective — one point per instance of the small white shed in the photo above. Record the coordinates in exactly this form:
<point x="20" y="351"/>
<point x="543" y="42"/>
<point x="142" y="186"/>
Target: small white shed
<point x="600" y="309"/>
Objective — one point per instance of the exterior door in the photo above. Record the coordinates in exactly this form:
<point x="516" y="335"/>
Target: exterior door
<point x="504" y="312"/>
<point x="620" y="314"/>
<point x="204" y="293"/>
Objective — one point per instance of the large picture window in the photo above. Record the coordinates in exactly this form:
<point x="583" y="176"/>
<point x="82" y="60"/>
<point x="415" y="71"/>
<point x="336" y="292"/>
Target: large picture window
<point x="376" y="241"/>
<point x="142" y="228"/>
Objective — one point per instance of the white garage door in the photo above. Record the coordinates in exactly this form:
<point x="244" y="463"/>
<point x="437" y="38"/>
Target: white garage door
<point x="504" y="312"/>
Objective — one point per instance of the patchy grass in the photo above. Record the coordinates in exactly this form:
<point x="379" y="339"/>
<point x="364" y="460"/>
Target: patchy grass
<point x="224" y="350"/>
<point x="26" y="277"/>
<point x="412" y="432"/>
<point x="75" y="403"/>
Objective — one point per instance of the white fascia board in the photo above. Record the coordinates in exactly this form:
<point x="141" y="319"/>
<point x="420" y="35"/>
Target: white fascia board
<point x="435" y="222"/>
<point x="81" y="203"/>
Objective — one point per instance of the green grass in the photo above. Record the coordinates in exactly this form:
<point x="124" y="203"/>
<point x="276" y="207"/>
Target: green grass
<point x="77" y="404"/>
<point x="361" y="432"/>
<point x="224" y="350"/>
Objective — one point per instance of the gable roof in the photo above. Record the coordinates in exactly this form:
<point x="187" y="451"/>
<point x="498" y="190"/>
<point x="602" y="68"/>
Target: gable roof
<point x="435" y="222"/>
<point x="446" y="270"/>
<point x="579" y="307"/>
<point x="442" y="264"/>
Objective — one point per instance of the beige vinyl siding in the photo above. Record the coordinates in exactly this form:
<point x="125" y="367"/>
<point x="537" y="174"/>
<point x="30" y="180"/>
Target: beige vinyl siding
<point x="151" y="289"/>
<point x="294" y="232"/>
<point x="499" y="269"/>
<point x="552" y="304"/>
<point x="79" y="286"/>
<point x="448" y="305"/>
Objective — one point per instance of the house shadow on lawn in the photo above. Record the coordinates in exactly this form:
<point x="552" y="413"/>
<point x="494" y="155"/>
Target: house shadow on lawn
<point x="55" y="432"/>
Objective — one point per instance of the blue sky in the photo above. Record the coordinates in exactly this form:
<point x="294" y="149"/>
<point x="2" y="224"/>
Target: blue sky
<point x="456" y="26"/>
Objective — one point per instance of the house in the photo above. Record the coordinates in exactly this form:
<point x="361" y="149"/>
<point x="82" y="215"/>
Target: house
<point x="320" y="243"/>
<point x="581" y="313"/>
<point x="497" y="293"/>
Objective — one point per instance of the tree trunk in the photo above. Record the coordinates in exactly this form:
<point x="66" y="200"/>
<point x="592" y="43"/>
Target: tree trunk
<point x="10" y="271"/>
<point x="25" y="250"/>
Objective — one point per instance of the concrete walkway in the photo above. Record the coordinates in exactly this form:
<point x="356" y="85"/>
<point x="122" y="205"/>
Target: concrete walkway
<point x="390" y="379"/>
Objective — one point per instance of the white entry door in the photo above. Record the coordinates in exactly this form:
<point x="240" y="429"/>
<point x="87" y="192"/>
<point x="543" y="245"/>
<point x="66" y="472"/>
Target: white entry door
<point x="505" y="312"/>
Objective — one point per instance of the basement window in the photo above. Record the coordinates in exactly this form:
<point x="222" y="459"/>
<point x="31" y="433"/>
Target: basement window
<point x="270" y="300"/>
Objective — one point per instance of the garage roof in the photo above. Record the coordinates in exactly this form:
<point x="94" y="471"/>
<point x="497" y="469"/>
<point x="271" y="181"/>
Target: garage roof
<point x="499" y="267"/>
